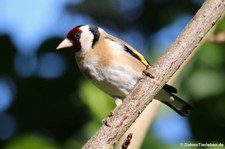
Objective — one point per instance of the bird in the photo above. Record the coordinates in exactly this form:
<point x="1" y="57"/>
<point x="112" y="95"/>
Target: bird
<point x="114" y="66"/>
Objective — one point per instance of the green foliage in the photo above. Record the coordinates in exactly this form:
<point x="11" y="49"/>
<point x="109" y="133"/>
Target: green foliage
<point x="207" y="78"/>
<point x="220" y="26"/>
<point x="98" y="102"/>
<point x="31" y="142"/>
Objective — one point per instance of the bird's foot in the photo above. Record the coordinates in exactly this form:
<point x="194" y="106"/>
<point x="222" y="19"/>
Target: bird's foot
<point x="146" y="73"/>
<point x="118" y="104"/>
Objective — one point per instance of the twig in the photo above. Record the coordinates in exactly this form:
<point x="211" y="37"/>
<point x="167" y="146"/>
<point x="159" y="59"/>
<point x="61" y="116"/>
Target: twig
<point x="143" y="121"/>
<point x="218" y="38"/>
<point x="167" y="65"/>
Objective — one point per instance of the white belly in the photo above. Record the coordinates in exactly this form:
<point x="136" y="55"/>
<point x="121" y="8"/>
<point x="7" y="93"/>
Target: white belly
<point x="117" y="81"/>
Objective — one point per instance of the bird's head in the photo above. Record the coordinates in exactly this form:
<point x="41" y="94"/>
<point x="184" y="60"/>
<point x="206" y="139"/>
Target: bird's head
<point x="81" y="38"/>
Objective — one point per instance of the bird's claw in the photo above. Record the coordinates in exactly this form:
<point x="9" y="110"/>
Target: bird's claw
<point x="146" y="73"/>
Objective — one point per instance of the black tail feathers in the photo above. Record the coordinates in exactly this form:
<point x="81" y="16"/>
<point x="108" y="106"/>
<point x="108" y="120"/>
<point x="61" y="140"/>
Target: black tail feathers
<point x="179" y="105"/>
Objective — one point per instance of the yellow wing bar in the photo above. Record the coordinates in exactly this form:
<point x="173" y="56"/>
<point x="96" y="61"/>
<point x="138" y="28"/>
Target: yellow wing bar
<point x="137" y="55"/>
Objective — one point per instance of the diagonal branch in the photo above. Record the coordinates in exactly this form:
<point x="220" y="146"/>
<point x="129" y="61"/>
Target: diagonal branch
<point x="124" y="116"/>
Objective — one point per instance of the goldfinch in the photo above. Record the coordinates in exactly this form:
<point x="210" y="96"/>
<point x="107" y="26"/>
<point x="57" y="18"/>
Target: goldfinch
<point x="113" y="65"/>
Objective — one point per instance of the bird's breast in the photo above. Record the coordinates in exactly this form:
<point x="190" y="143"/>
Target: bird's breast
<point x="117" y="80"/>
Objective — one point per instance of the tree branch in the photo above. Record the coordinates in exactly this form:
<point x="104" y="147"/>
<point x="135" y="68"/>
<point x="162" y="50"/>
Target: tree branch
<point x="143" y="93"/>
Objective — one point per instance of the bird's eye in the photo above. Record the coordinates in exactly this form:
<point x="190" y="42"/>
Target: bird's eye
<point x="77" y="36"/>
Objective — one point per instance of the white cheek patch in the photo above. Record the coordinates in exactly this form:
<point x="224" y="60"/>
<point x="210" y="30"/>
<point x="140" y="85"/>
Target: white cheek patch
<point x="86" y="39"/>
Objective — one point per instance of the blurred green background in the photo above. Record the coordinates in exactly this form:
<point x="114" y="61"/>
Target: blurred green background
<point x="45" y="103"/>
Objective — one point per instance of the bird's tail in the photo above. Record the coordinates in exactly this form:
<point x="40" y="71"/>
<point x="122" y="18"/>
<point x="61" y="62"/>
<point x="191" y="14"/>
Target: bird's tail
<point x="179" y="105"/>
<point x="166" y="95"/>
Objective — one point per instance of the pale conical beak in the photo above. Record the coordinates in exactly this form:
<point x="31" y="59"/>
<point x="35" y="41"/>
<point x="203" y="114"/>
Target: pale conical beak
<point x="66" y="43"/>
